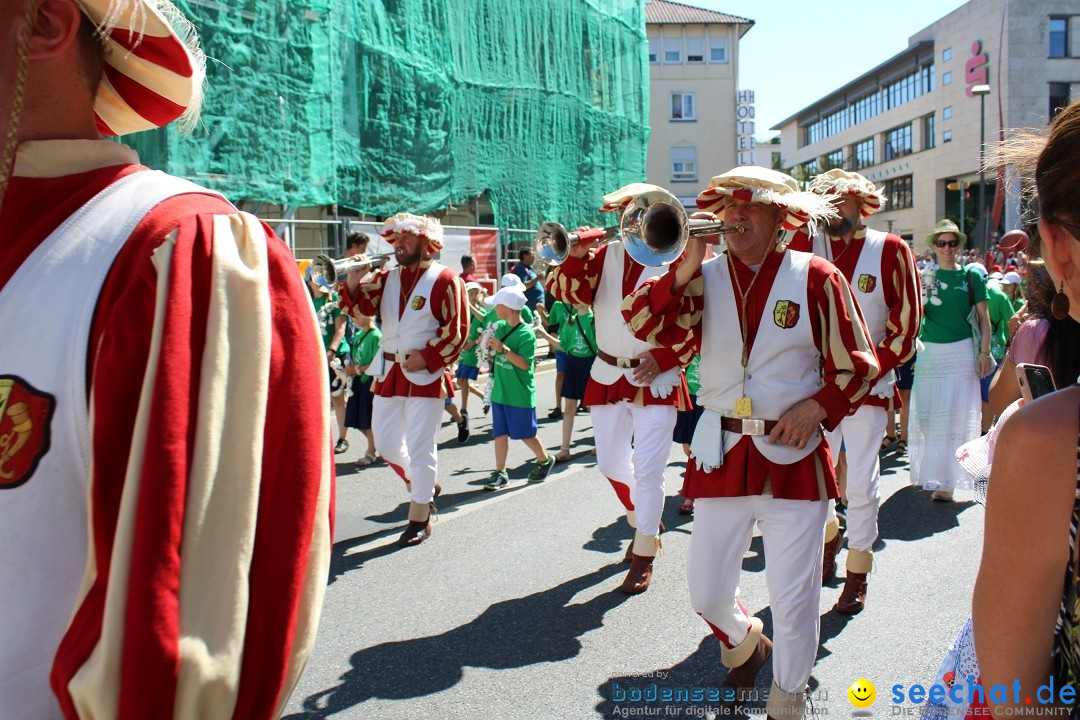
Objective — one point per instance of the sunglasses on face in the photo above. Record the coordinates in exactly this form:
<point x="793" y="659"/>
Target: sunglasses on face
<point x="946" y="243"/>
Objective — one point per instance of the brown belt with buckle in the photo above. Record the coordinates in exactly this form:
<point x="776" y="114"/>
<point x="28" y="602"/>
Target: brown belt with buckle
<point x="618" y="362"/>
<point x="396" y="357"/>
<point x="747" y="426"/>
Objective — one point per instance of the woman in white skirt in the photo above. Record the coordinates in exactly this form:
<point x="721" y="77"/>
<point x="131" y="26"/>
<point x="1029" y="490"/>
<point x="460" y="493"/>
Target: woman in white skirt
<point x="946" y="407"/>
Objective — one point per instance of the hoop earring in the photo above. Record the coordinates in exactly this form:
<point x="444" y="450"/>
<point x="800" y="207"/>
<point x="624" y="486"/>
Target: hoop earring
<point x="1059" y="306"/>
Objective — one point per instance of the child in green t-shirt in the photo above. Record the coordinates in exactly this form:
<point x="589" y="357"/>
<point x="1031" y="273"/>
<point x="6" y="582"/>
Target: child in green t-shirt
<point x="513" y="398"/>
<point x="366" y="344"/>
<point x="577" y="340"/>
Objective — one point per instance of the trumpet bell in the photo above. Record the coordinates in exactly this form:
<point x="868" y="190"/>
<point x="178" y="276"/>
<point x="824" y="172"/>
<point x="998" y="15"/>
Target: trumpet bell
<point x="328" y="272"/>
<point x="553" y="243"/>
<point x="654" y="228"/>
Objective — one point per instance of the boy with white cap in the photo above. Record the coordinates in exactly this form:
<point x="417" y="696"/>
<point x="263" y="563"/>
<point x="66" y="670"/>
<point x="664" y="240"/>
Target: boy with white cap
<point x="165" y="517"/>
<point x="786" y="351"/>
<point x="513" y="399"/>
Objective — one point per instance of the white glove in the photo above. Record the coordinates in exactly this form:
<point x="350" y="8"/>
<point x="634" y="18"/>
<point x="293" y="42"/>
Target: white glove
<point x="661" y="391"/>
<point x="883" y="388"/>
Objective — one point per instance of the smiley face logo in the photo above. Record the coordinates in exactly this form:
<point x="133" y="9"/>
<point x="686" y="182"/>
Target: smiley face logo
<point x="862" y="693"/>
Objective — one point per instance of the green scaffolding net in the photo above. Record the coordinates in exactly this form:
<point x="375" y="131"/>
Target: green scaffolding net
<point x="389" y="105"/>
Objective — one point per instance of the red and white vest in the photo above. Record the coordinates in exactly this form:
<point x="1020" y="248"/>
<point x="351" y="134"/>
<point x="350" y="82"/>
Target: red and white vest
<point x="414" y="328"/>
<point x="46" y="312"/>
<point x="784" y="364"/>
<point x="868" y="288"/>
<point x="612" y="335"/>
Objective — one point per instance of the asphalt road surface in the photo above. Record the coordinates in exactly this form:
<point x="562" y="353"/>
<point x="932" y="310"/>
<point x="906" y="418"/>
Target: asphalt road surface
<point x="511" y="609"/>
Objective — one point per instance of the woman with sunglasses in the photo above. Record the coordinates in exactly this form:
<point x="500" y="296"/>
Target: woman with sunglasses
<point x="946" y="406"/>
<point x="1025" y="609"/>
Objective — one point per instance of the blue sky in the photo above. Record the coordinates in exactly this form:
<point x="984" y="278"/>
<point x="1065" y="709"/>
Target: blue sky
<point x="799" y="50"/>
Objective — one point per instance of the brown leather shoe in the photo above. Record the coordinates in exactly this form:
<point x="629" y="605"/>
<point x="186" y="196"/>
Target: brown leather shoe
<point x="828" y="564"/>
<point x="639" y="576"/>
<point x="415" y="533"/>
<point x="853" y="598"/>
<point x="744" y="677"/>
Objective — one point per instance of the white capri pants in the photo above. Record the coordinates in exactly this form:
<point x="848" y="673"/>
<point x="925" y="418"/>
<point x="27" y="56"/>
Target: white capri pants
<point x="638" y="469"/>
<point x="406" y="434"/>
<point x="861" y="434"/>
<point x="793" y="532"/>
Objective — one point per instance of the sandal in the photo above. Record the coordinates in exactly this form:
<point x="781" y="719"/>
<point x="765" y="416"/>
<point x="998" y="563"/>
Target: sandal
<point x="368" y="459"/>
<point x="686" y="507"/>
<point x="342" y="446"/>
<point x="887" y="442"/>
<point x="942" y="496"/>
<point x="901" y="447"/>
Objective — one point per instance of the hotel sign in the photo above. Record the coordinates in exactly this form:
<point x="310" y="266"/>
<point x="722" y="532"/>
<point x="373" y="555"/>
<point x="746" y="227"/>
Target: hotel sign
<point x="744" y="127"/>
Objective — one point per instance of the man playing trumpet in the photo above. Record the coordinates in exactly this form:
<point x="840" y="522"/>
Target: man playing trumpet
<point x="785" y="350"/>
<point x="634" y="389"/>
<point x="425" y="323"/>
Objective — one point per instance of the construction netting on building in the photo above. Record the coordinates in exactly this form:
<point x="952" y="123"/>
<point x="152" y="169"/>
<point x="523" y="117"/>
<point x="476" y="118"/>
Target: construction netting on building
<point x="390" y="105"/>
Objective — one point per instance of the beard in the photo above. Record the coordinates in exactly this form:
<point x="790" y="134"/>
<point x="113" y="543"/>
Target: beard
<point x="404" y="257"/>
<point x="840" y="227"/>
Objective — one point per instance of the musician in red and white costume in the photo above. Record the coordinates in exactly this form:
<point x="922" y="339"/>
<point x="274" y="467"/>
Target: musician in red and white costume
<point x="881" y="271"/>
<point x="783" y="351"/>
<point x="425" y="324"/>
<point x="165" y="462"/>
<point x="634" y="391"/>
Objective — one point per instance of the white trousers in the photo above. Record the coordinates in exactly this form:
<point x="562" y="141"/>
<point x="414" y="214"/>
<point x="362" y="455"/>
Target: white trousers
<point x="406" y="434"/>
<point x="861" y="435"/>
<point x="793" y="532"/>
<point x="639" y="469"/>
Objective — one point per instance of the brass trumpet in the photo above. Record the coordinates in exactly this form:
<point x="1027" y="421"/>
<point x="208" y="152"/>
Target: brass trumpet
<point x="327" y="271"/>
<point x="654" y="228"/>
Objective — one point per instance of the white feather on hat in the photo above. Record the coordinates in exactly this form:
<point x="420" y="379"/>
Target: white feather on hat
<point x="840" y="182"/>
<point x="767" y="187"/>
<point x="154" y="68"/>
<point x="426" y="227"/>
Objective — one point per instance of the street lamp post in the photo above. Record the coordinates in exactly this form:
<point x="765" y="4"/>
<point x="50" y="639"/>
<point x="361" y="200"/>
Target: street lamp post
<point x="982" y="91"/>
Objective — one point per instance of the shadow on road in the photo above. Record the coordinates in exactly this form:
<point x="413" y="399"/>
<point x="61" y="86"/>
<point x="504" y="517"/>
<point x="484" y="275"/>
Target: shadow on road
<point x="910" y="514"/>
<point x="702" y="672"/>
<point x="538" y="628"/>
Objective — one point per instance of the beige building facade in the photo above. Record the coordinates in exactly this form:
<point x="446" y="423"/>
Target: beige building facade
<point x="694" y="108"/>
<point x="913" y="124"/>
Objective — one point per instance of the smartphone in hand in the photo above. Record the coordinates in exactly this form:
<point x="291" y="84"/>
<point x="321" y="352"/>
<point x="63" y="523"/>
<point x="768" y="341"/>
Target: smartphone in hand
<point x="1035" y="380"/>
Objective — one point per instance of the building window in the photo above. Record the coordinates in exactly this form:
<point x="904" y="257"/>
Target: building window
<point x="946" y="54"/>
<point x="864" y="154"/>
<point x="947" y="112"/>
<point x="946" y="136"/>
<point x="835" y="159"/>
<point x="888" y="96"/>
<point x="654" y="47"/>
<point x="673" y="50"/>
<point x="684" y="164"/>
<point x="718" y="49"/>
<point x="682" y="106"/>
<point x="898" y="142"/>
<point x="946" y="79"/>
<point x="1059" y="37"/>
<point x="695" y="50"/>
<point x="928" y="132"/>
<point x="1059" y="97"/>
<point x="899" y="193"/>
<point x="809" y="170"/>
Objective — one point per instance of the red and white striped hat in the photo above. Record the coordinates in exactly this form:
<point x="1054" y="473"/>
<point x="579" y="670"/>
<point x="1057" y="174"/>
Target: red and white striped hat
<point x="154" y="69"/>
<point x="618" y="200"/>
<point x="839" y="182"/>
<point x="751" y="183"/>
<point x="428" y="228"/>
